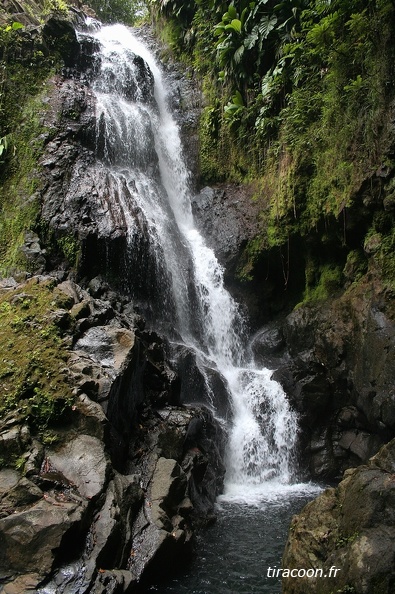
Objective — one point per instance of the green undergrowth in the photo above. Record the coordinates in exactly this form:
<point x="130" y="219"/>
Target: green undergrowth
<point x="19" y="196"/>
<point x="33" y="355"/>
<point x="24" y="72"/>
<point x="299" y="100"/>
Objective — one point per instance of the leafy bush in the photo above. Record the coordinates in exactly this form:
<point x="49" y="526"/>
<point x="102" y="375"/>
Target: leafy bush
<point x="124" y="11"/>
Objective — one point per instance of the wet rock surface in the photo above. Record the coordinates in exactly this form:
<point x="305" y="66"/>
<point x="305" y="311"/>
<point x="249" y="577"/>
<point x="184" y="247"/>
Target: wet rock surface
<point x="228" y="218"/>
<point x="335" y="361"/>
<point x="350" y="528"/>
<point x="132" y="475"/>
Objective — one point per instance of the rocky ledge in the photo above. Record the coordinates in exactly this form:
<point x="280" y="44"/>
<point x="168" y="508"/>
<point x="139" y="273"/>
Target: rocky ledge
<point x="113" y="497"/>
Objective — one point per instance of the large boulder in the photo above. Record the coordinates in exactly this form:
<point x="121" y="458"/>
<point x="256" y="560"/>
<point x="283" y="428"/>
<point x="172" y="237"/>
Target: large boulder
<point x="350" y="528"/>
<point x="84" y="463"/>
<point x="30" y="538"/>
<point x="180" y="461"/>
<point x="161" y="534"/>
<point x="107" y="544"/>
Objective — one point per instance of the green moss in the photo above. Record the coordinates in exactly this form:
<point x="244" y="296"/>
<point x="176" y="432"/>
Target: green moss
<point x="343" y="540"/>
<point x="19" y="199"/>
<point x="25" y="68"/>
<point x="386" y="259"/>
<point x="322" y="282"/>
<point x="20" y="464"/>
<point x="249" y="258"/>
<point x="50" y="6"/>
<point x="33" y="356"/>
<point x="71" y="248"/>
<point x="356" y="265"/>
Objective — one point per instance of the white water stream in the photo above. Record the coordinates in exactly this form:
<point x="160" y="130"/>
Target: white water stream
<point x="142" y="149"/>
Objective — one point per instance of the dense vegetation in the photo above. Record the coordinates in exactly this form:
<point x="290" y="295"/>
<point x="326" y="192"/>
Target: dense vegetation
<point x="125" y="11"/>
<point x="300" y="98"/>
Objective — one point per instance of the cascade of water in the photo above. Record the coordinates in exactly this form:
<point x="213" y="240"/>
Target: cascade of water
<point x="139" y="143"/>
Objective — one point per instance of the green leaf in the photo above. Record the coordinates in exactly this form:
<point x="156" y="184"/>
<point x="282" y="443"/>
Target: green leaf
<point x="3" y="145"/>
<point x="243" y="16"/>
<point x="267" y="25"/>
<point x="355" y="85"/>
<point x="238" y="54"/>
<point x="235" y="25"/>
<point x="251" y="39"/>
<point x="232" y="12"/>
<point x="238" y="99"/>
<point x="219" y="29"/>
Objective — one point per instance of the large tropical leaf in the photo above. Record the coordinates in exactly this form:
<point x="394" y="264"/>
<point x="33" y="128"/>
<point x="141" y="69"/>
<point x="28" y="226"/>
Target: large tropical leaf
<point x="238" y="55"/>
<point x="266" y="26"/>
<point x="252" y="38"/>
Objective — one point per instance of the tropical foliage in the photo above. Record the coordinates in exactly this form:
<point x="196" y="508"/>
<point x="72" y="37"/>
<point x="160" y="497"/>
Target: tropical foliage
<point x="299" y="99"/>
<point x="125" y="11"/>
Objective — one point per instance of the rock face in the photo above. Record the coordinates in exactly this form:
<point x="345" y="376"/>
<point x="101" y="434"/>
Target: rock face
<point x="132" y="472"/>
<point x="132" y="475"/>
<point x="228" y="218"/>
<point x="351" y="528"/>
<point x="336" y="363"/>
<point x="185" y="474"/>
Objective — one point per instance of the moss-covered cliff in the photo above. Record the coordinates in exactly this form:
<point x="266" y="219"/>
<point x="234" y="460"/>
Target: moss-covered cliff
<point x="36" y="41"/>
<point x="300" y="100"/>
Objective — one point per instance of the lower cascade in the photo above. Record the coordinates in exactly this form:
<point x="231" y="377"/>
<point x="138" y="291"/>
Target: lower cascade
<point x="139" y="146"/>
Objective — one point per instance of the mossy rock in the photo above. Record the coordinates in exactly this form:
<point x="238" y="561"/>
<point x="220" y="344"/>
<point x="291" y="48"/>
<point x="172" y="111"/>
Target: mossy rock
<point x="33" y="355"/>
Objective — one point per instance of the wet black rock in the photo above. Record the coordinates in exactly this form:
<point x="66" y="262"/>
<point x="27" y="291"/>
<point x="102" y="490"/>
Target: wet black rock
<point x="228" y="219"/>
<point x="129" y="479"/>
<point x="200" y="383"/>
<point x="268" y="344"/>
<point x="339" y="377"/>
<point x="60" y="36"/>
<point x="34" y="254"/>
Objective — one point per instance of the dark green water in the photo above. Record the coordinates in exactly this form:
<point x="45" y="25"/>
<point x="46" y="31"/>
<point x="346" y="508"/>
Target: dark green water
<point x="233" y="556"/>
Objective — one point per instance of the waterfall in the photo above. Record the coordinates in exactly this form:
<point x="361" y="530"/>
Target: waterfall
<point x="139" y="146"/>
